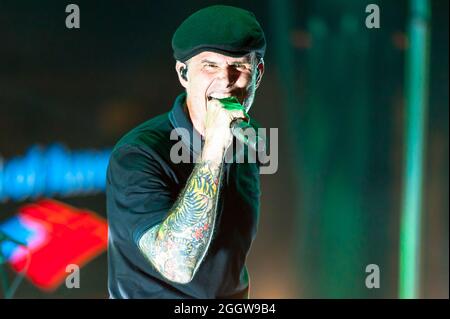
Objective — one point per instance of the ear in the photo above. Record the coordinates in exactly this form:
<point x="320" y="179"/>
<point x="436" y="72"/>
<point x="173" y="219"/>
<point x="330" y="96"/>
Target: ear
<point x="178" y="67"/>
<point x="260" y="72"/>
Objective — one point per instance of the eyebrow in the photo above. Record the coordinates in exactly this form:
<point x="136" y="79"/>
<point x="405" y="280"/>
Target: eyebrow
<point x="232" y="63"/>
<point x="208" y="61"/>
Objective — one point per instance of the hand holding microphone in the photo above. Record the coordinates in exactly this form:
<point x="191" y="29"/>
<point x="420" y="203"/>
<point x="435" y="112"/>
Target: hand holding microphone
<point x="226" y="118"/>
<point x="238" y="126"/>
<point x="218" y="135"/>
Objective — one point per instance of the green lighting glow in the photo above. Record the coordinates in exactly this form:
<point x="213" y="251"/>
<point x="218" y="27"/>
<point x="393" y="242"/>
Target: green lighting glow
<point x="416" y="114"/>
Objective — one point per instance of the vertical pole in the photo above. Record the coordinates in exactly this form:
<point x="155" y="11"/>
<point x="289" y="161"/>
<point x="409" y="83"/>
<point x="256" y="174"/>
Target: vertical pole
<point x="416" y="114"/>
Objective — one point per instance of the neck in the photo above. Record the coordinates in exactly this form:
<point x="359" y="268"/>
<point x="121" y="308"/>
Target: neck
<point x="197" y="123"/>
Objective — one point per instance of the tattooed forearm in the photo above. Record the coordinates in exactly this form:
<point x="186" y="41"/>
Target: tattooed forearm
<point x="176" y="247"/>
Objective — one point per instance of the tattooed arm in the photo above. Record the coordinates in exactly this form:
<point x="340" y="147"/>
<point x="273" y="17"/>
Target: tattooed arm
<point x="177" y="246"/>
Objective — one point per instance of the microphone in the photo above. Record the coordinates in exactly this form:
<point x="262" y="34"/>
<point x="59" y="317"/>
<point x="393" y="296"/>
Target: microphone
<point x="238" y="127"/>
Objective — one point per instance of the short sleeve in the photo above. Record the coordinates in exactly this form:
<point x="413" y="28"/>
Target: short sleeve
<point x="138" y="194"/>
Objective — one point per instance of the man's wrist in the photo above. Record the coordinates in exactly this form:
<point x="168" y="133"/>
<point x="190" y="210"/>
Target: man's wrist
<point x="213" y="153"/>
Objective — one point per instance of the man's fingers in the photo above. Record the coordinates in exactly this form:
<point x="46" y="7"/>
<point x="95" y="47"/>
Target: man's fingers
<point x="228" y="112"/>
<point x="238" y="115"/>
<point x="214" y="104"/>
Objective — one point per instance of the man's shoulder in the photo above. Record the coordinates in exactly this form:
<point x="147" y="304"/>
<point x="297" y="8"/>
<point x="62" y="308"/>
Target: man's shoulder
<point x="153" y="134"/>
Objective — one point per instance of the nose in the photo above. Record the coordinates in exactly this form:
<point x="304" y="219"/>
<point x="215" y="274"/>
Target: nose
<point x="228" y="75"/>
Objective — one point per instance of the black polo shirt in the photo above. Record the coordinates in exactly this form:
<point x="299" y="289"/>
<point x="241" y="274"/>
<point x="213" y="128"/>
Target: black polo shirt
<point x="143" y="184"/>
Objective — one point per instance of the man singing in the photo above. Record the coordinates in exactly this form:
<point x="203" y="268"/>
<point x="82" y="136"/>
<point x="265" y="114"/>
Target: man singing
<point x="183" y="230"/>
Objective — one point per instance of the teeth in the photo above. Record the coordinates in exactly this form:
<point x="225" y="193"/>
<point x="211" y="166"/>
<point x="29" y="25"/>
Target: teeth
<point x="219" y="96"/>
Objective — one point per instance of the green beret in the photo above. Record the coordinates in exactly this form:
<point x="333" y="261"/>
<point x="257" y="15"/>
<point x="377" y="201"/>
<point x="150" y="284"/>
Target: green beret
<point x="224" y="29"/>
